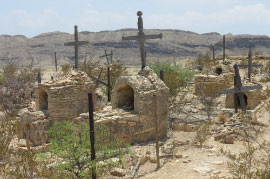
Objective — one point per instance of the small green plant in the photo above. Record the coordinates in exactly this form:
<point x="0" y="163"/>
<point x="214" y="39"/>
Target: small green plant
<point x="65" y="68"/>
<point x="175" y="76"/>
<point x="70" y="142"/>
<point x="202" y="133"/>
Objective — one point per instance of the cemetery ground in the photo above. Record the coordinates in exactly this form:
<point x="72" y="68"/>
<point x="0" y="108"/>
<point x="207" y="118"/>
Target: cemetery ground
<point x="194" y="148"/>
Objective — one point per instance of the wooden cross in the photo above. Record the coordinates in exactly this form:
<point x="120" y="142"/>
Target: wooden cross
<point x="109" y="61"/>
<point x="76" y="43"/>
<point x="250" y="65"/>
<point x="239" y="90"/>
<point x="141" y="38"/>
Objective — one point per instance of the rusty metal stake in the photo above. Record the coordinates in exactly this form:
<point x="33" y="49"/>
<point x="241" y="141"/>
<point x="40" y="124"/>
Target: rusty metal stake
<point x="92" y="133"/>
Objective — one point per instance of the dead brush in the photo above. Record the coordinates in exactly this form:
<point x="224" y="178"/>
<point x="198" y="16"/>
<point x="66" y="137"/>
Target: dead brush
<point x="222" y="118"/>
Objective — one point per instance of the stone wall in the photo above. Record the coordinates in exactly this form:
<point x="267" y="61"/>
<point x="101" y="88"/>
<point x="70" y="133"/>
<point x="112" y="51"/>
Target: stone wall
<point x="254" y="97"/>
<point x="131" y="117"/>
<point x="35" y="125"/>
<point x="212" y="84"/>
<point x="65" y="99"/>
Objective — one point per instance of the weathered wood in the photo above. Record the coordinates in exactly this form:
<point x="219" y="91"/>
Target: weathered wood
<point x="76" y="43"/>
<point x="224" y="47"/>
<point x="92" y="133"/>
<point x="213" y="49"/>
<point x="39" y="78"/>
<point x="109" y="83"/>
<point x="141" y="38"/>
<point x="109" y="61"/>
<point x="55" y="61"/>
<point x="239" y="90"/>
<point x="135" y="169"/>
<point x="250" y="65"/>
<point x="156" y="129"/>
<point x="161" y="75"/>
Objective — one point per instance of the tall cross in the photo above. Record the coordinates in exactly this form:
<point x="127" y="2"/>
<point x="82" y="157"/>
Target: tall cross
<point x="250" y="65"/>
<point x="141" y="38"/>
<point x="76" y="43"/>
<point x="239" y="90"/>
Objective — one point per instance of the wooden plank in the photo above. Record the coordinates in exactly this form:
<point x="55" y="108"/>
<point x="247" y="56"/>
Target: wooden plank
<point x="92" y="133"/>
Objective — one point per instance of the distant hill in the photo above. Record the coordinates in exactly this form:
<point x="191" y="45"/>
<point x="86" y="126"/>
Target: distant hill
<point x="175" y="43"/>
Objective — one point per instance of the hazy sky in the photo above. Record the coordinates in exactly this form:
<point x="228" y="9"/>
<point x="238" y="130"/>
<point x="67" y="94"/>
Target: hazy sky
<point x="32" y="17"/>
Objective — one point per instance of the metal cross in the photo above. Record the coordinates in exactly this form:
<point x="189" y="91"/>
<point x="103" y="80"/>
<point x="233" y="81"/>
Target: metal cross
<point x="250" y="65"/>
<point x="109" y="61"/>
<point x="76" y="43"/>
<point x="141" y="38"/>
<point x="239" y="90"/>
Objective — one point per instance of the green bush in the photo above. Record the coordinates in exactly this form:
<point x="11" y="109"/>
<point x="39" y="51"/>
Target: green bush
<point x="65" y="68"/>
<point x="175" y="76"/>
<point x="71" y="142"/>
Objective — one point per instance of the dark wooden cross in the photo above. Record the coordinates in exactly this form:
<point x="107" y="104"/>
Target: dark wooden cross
<point x="239" y="90"/>
<point x="76" y="43"/>
<point x="250" y="65"/>
<point x="109" y="62"/>
<point x="141" y="37"/>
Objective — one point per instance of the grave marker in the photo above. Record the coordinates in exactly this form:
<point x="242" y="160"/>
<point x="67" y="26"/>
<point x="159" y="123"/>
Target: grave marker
<point x="76" y="43"/>
<point x="250" y="65"/>
<point x="239" y="90"/>
<point x="141" y="37"/>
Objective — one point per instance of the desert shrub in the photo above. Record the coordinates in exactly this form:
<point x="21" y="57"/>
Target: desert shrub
<point x="65" y="68"/>
<point x="254" y="161"/>
<point x="71" y="142"/>
<point x="175" y="76"/>
<point x="203" y="132"/>
<point x="14" y="162"/>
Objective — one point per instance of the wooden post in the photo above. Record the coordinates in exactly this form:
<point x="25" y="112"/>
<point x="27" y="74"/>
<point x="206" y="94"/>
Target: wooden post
<point x="156" y="129"/>
<point x="92" y="133"/>
<point x="55" y="60"/>
<point x="39" y="78"/>
<point x="161" y="75"/>
<point x="213" y="52"/>
<point x="109" y="83"/>
<point x="224" y="46"/>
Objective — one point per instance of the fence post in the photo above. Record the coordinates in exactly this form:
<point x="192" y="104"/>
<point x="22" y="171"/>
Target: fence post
<point x="92" y="133"/>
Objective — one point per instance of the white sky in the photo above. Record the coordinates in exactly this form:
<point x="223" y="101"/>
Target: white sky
<point x="32" y="17"/>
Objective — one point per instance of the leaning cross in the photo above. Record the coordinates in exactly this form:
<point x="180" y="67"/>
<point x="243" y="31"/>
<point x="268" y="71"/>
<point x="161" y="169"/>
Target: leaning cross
<point x="109" y="61"/>
<point x="239" y="90"/>
<point x="141" y="38"/>
<point x="250" y="65"/>
<point x="76" y="43"/>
